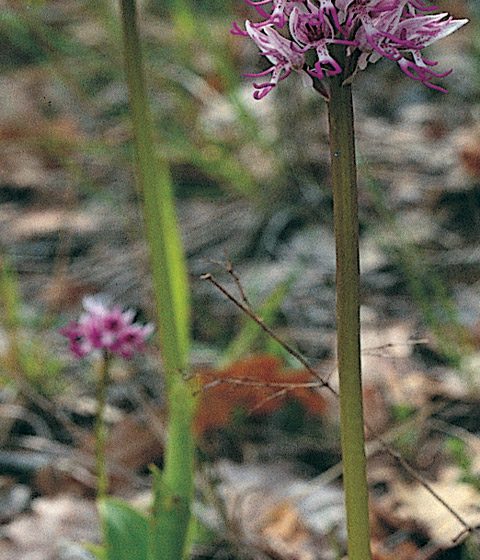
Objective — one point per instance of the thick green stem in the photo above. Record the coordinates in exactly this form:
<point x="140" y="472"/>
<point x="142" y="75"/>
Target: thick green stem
<point x="344" y="179"/>
<point x="100" y="429"/>
<point x="175" y="492"/>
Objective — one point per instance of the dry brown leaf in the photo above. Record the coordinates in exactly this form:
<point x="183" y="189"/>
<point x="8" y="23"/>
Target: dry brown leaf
<point x="62" y="292"/>
<point x="403" y="551"/>
<point x="414" y="503"/>
<point x="44" y="222"/>
<point x="271" y="510"/>
<point x="133" y="443"/>
<point x="221" y="397"/>
<point x="469" y="152"/>
<point x="286" y="534"/>
<point x="52" y="522"/>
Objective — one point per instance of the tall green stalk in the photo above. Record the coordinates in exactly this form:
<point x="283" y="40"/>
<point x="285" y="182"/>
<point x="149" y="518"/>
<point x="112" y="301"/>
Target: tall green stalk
<point x="100" y="429"/>
<point x="174" y="493"/>
<point x="344" y="180"/>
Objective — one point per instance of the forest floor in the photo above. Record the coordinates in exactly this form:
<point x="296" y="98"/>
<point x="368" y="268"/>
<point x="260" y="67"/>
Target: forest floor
<point x="252" y="180"/>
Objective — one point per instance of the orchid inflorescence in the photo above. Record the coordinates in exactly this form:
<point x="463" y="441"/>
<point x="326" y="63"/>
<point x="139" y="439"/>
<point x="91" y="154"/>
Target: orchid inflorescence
<point x="107" y="329"/>
<point x="298" y="35"/>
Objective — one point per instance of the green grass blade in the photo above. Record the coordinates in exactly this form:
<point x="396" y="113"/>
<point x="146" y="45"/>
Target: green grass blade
<point x="126" y="531"/>
<point x="250" y="333"/>
<point x="174" y="495"/>
<point x="153" y="178"/>
<point x="99" y="552"/>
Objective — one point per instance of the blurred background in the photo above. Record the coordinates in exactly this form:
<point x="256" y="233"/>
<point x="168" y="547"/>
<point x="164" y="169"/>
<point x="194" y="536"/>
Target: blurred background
<point x="252" y="185"/>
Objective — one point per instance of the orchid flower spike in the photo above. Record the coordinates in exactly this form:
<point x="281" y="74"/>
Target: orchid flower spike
<point x="106" y="328"/>
<point x="371" y="29"/>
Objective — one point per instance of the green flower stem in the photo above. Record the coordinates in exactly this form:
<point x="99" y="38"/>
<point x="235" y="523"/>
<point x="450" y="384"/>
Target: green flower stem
<point x="344" y="179"/>
<point x="175" y="493"/>
<point x="100" y="429"/>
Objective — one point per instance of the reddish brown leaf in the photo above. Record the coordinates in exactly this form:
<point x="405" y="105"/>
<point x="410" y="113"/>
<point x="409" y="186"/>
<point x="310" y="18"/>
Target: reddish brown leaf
<point x="225" y="390"/>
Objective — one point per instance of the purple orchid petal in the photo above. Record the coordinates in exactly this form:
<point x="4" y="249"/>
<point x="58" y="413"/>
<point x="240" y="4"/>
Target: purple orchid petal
<point x="397" y="30"/>
<point x="105" y="328"/>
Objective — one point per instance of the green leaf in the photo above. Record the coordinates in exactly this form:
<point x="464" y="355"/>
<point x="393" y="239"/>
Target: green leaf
<point x="169" y="269"/>
<point x="97" y="550"/>
<point x="172" y="295"/>
<point x="459" y="451"/>
<point x="251" y="331"/>
<point x="171" y="515"/>
<point x="10" y="294"/>
<point x="199" y="534"/>
<point x="126" y="531"/>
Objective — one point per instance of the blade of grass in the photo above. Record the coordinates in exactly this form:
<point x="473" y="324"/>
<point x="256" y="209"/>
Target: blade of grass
<point x="126" y="531"/>
<point x="251" y="331"/>
<point x="173" y="497"/>
<point x="426" y="287"/>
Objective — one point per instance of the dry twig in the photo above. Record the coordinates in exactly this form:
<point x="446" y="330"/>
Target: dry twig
<point x="245" y="307"/>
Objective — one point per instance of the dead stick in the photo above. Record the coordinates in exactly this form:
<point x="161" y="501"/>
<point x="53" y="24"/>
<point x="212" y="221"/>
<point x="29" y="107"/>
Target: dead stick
<point x="323" y="383"/>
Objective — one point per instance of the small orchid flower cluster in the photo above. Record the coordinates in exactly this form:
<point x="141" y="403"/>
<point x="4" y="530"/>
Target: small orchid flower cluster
<point x="107" y="329"/>
<point x="297" y="35"/>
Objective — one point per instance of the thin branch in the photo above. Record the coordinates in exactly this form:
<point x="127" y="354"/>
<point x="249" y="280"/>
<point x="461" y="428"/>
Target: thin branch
<point x="380" y="351"/>
<point x="410" y="342"/>
<point x="419" y="478"/>
<point x="276" y="395"/>
<point x="281" y="389"/>
<point x="261" y="323"/>
<point x="245" y="308"/>
<point x="248" y="382"/>
<point x="229" y="268"/>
